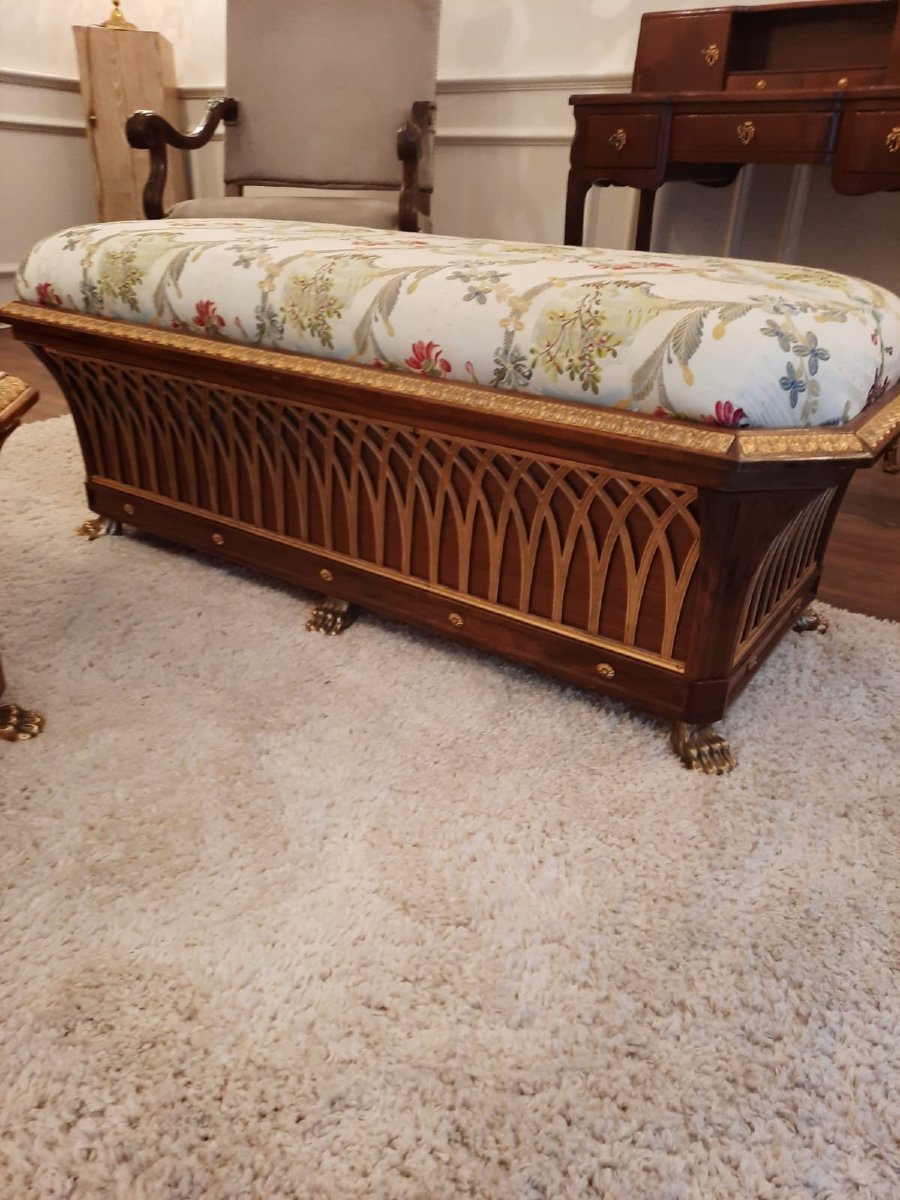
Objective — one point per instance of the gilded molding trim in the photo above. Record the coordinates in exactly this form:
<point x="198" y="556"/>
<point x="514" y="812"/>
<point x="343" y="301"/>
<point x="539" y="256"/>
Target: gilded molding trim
<point x="508" y="404"/>
<point x="11" y="389"/>
<point x="762" y="445"/>
<point x="755" y="444"/>
<point x="880" y="428"/>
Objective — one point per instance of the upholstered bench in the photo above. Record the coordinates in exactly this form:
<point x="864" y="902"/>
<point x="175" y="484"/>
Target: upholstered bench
<point x="622" y="468"/>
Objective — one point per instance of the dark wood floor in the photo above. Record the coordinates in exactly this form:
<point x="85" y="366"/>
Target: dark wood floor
<point x="862" y="568"/>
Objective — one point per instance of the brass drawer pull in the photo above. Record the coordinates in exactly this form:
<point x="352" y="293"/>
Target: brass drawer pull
<point x="606" y="670"/>
<point x="456" y="620"/>
<point x="746" y="132"/>
<point x="892" y="141"/>
<point x="710" y="54"/>
<point x="761" y="85"/>
<point x="618" y="139"/>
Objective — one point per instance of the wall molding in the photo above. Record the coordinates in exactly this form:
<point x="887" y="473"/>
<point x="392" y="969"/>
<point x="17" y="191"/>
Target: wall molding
<point x="504" y="137"/>
<point x="42" y="125"/>
<point x="480" y="85"/>
<point x="8" y="269"/>
<point x="612" y="82"/>
<point x="201" y="93"/>
<point x="37" y="79"/>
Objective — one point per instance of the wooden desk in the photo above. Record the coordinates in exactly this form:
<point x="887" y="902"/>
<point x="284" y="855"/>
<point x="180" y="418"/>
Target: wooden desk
<point x="716" y="89"/>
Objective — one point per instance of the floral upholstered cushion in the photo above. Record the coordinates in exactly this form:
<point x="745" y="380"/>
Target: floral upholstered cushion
<point x="723" y="341"/>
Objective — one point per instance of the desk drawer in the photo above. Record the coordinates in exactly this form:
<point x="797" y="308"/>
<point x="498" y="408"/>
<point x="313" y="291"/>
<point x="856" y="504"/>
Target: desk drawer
<point x="759" y="81"/>
<point x="751" y="136"/>
<point x="871" y="141"/>
<point x="623" y="140"/>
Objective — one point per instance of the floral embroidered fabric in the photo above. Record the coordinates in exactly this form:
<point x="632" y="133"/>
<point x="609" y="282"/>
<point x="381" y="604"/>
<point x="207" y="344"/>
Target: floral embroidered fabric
<point x="722" y="341"/>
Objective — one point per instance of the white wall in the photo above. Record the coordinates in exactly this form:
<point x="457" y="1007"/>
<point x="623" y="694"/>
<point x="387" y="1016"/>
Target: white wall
<point x="546" y="37"/>
<point x="36" y="35"/>
<point x="506" y="70"/>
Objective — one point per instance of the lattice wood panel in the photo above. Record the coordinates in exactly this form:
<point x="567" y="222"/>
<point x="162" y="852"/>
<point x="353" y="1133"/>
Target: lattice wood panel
<point x="608" y="555"/>
<point x="790" y="558"/>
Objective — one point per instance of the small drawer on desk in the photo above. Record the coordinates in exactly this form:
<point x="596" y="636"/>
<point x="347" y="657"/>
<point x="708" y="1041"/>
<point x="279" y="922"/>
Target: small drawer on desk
<point x="870" y="141"/>
<point x="626" y="140"/>
<point x="761" y="81"/>
<point x="751" y="136"/>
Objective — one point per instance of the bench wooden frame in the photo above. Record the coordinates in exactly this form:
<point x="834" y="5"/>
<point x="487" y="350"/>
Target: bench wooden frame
<point x="658" y="562"/>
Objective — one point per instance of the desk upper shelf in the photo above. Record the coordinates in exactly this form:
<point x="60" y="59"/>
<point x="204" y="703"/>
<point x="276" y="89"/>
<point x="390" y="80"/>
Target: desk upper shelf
<point x="827" y="44"/>
<point x="715" y="89"/>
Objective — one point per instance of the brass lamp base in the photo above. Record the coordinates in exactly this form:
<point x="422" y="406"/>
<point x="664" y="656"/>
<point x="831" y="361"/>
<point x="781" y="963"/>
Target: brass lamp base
<point x="116" y="19"/>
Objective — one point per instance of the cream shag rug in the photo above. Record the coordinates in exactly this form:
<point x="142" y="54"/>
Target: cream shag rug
<point x="371" y="916"/>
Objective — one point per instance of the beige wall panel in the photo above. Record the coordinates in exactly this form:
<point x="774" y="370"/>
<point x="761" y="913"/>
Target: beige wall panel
<point x="45" y="185"/>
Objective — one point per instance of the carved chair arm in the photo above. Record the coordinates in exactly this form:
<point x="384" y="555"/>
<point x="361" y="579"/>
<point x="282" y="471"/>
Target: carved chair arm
<point x="415" y="139"/>
<point x="149" y="131"/>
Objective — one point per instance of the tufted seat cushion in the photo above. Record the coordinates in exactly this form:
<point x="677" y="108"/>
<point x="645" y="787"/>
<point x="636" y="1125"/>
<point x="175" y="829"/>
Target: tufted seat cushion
<point x="721" y="341"/>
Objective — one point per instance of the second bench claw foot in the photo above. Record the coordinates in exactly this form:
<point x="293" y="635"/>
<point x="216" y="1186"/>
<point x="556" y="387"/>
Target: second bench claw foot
<point x="702" y="748"/>
<point x="96" y="527"/>
<point x="19" y="724"/>
<point x="331" y="617"/>
<point x="811" y="622"/>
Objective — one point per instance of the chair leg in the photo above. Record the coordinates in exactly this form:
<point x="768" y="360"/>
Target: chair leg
<point x="891" y="460"/>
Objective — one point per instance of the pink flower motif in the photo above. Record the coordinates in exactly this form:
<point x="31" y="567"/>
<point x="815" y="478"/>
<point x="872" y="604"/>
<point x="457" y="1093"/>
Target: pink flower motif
<point x="207" y="317"/>
<point x="46" y="294"/>
<point x="426" y="358"/>
<point x="726" y="414"/>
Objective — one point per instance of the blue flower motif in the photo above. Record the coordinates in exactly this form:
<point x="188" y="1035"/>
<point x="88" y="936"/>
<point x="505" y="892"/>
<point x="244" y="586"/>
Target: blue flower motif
<point x="810" y="349"/>
<point x="476" y="293"/>
<point x="791" y="382"/>
<point x="773" y="329"/>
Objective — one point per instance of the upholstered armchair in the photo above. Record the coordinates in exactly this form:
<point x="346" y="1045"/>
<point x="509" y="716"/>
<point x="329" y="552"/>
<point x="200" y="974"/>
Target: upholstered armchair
<point x="326" y="95"/>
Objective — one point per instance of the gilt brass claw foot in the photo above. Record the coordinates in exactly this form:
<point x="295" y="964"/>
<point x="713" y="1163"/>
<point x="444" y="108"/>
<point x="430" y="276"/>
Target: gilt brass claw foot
<point x="811" y="622"/>
<point x="96" y="527"/>
<point x="702" y="748"/>
<point x="331" y="616"/>
<point x="19" y="724"/>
